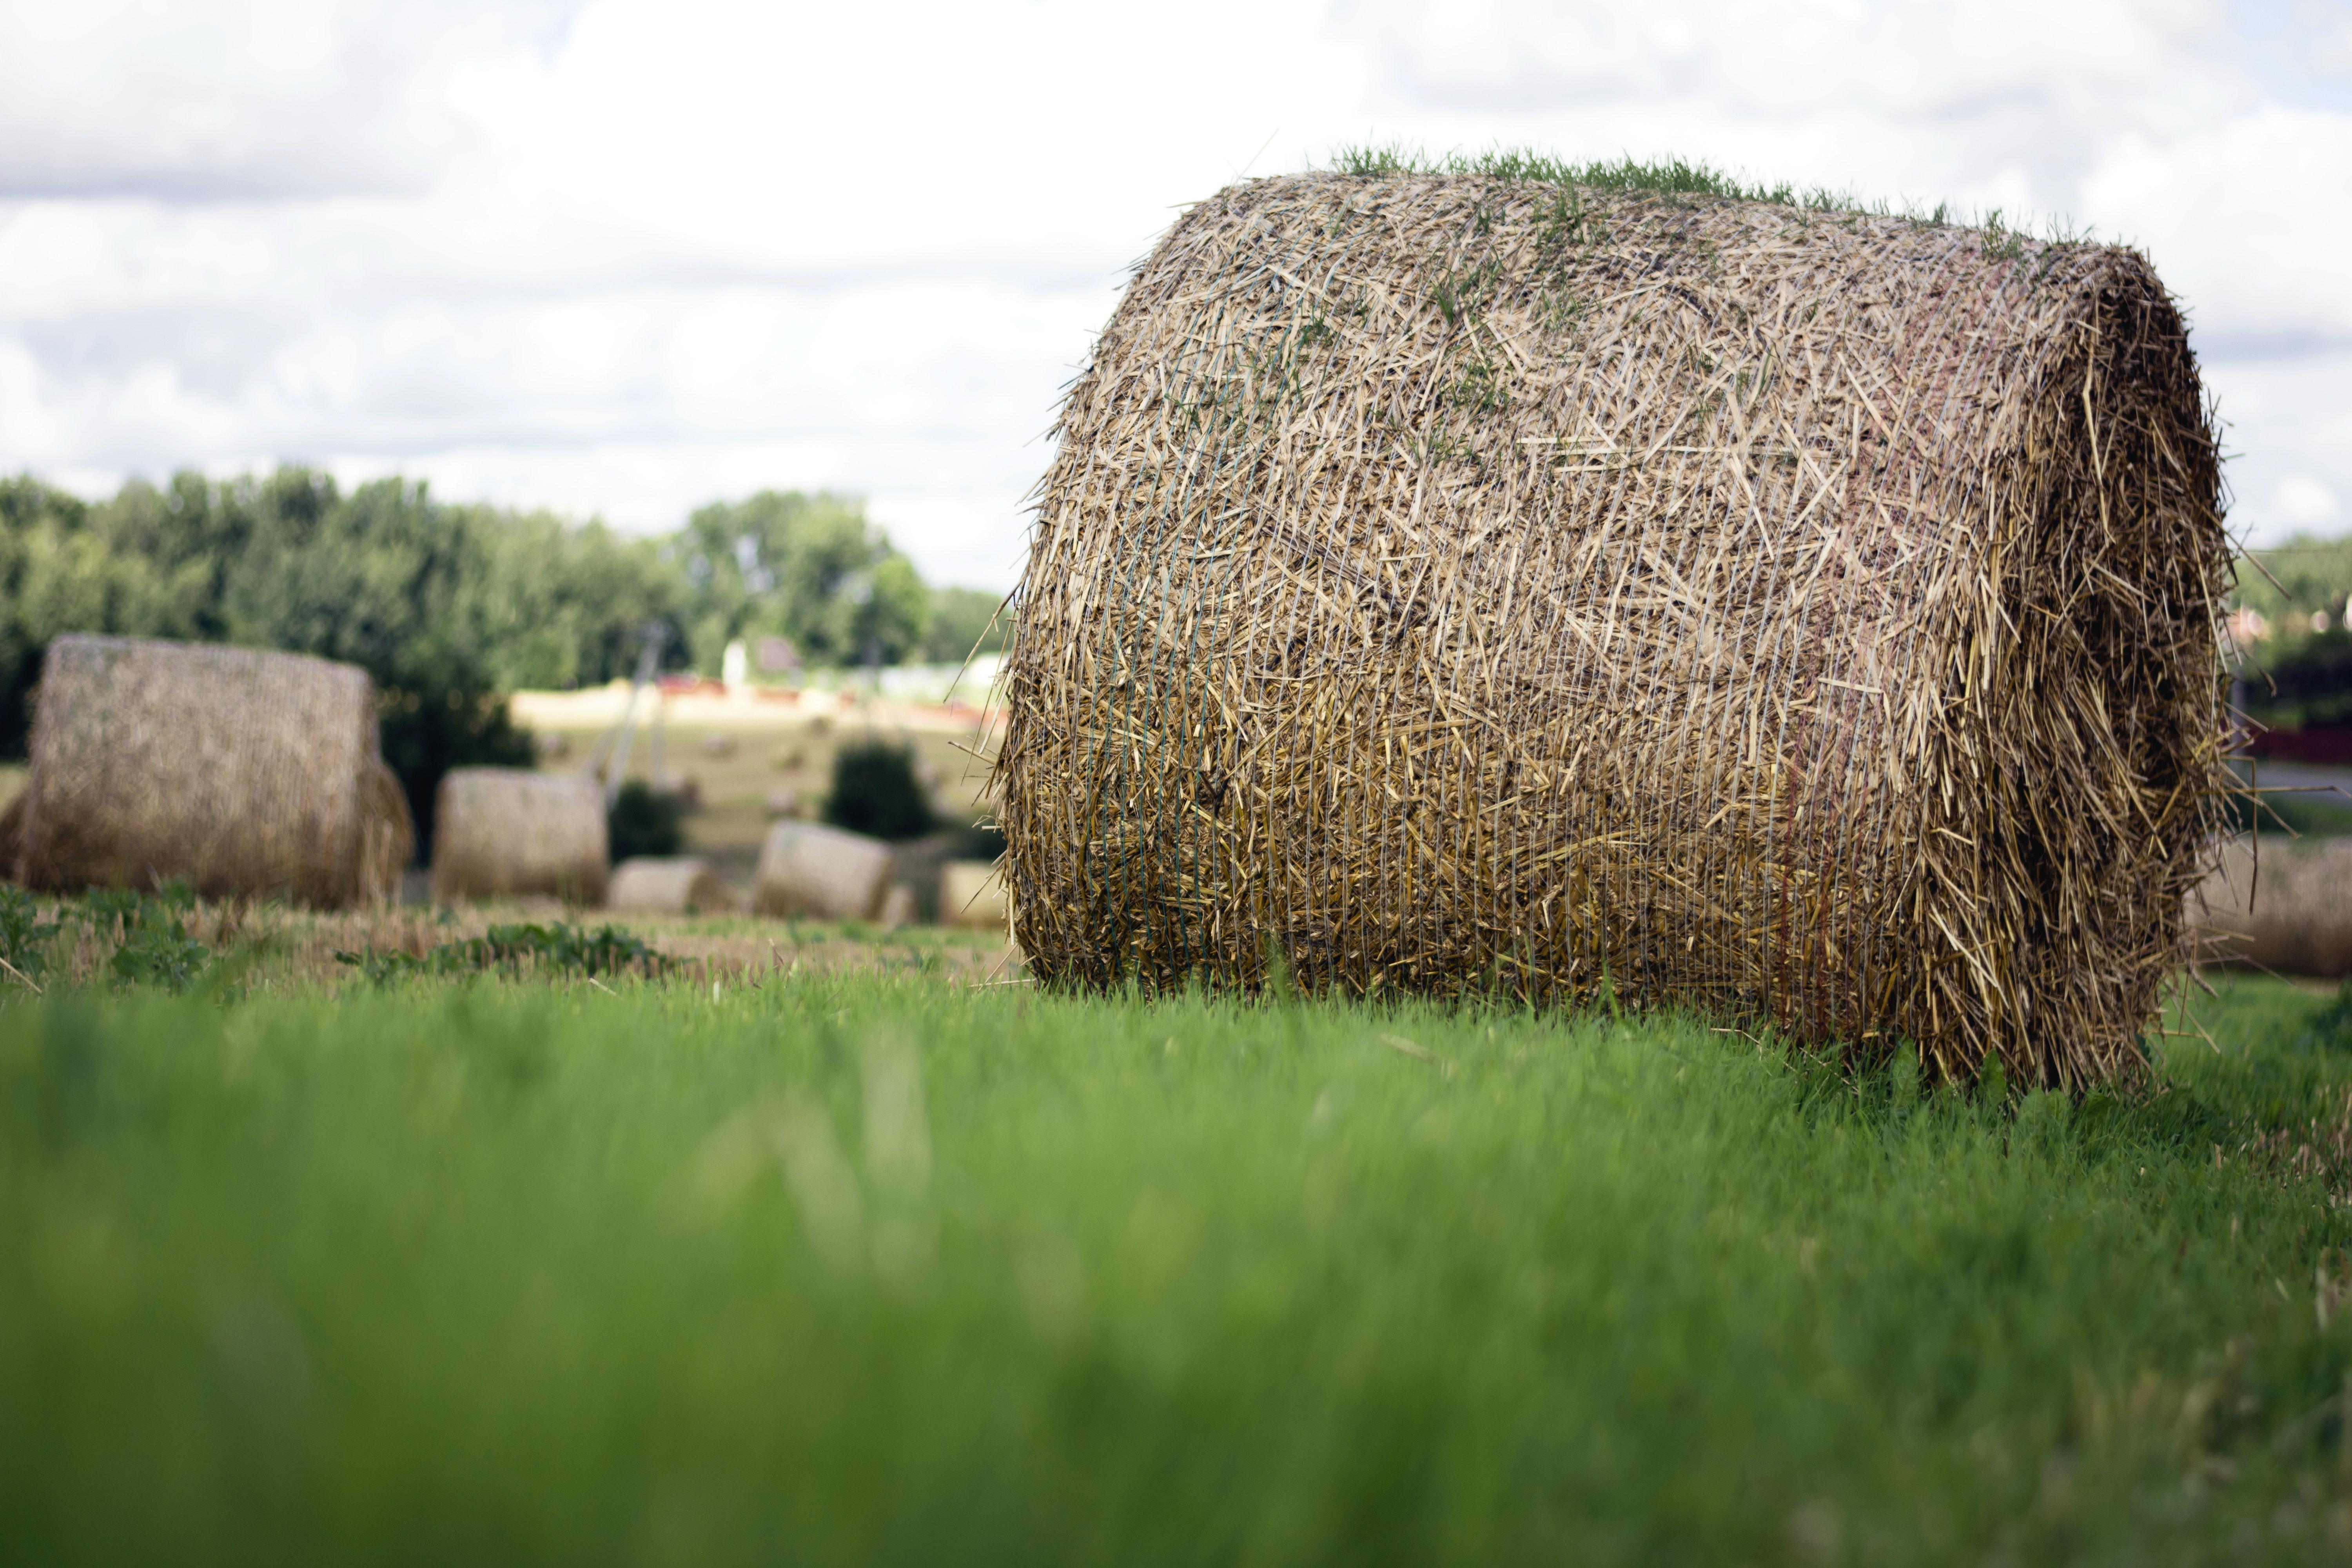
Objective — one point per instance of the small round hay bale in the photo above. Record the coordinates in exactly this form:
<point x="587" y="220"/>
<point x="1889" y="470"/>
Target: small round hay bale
<point x="1452" y="583"/>
<point x="971" y="894"/>
<point x="501" y="833"/>
<point x="235" y="771"/>
<point x="784" y="802"/>
<point x="719" y="744"/>
<point x="2286" y="907"/>
<point x="806" y="869"/>
<point x="669" y="885"/>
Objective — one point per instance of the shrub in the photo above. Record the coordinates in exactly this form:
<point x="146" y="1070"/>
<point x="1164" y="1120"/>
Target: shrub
<point x="876" y="791"/>
<point x="2303" y="682"/>
<point x="645" y="821"/>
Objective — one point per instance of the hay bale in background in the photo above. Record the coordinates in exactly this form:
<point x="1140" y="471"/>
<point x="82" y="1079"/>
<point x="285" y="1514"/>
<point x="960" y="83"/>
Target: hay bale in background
<point x="2287" y="908"/>
<point x="971" y="894"/>
<point x="506" y="833"/>
<point x="806" y="869"/>
<point x="675" y="885"/>
<point x="1801" y="617"/>
<point x="235" y="771"/>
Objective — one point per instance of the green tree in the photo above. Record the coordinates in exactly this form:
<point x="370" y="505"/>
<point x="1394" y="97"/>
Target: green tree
<point x="560" y="605"/>
<point x="385" y="578"/>
<point x="964" y="621"/>
<point x="61" y="573"/>
<point x="810" y="568"/>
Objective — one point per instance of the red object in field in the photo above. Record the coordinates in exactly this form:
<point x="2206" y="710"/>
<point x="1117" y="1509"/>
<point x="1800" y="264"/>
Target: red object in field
<point x="775" y="694"/>
<point x="2328" y="747"/>
<point x="691" y="686"/>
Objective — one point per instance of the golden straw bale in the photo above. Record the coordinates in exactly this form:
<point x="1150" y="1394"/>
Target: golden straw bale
<point x="675" y="885"/>
<point x="508" y="832"/>
<point x="2287" y="908"/>
<point x="971" y="894"/>
<point x="235" y="771"/>
<point x="806" y="869"/>
<point x="1807" y="618"/>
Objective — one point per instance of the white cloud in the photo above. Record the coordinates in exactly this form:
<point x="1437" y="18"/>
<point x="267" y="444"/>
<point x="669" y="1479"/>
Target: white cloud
<point x="241" y="98"/>
<point x="2234" y="217"/>
<point x="628" y="256"/>
<point x="2308" y="503"/>
<point x="2289" y="430"/>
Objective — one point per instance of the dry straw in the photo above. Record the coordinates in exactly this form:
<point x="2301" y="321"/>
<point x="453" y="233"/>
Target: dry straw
<point x="237" y="771"/>
<point x="1803" y="618"/>
<point x="971" y="894"/>
<point x="501" y="832"/>
<point x="669" y="885"/>
<point x="809" y="869"/>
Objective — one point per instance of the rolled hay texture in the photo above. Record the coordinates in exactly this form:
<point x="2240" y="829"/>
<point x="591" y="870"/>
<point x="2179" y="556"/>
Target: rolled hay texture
<point x="237" y="771"/>
<point x="1804" y="618"/>
<point x="503" y="832"/>
<point x="669" y="885"/>
<point x="806" y="869"/>
<point x="2284" y="906"/>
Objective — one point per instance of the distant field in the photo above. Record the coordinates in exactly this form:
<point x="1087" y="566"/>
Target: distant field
<point x="861" y="1267"/>
<point x="737" y="754"/>
<point x="761" y="748"/>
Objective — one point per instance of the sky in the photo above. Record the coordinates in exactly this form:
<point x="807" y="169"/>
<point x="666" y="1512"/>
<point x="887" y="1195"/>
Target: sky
<point x="622" y="258"/>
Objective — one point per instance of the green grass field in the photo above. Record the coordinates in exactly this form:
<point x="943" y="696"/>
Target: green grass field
<point x="860" y="1268"/>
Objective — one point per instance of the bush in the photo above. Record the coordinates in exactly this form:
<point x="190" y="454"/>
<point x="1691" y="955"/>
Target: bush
<point x="645" y="821"/>
<point x="2302" y="683"/>
<point x="876" y="791"/>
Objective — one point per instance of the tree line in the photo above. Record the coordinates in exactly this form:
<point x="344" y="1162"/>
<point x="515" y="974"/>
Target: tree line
<point x="446" y="606"/>
<point x="2293" y="652"/>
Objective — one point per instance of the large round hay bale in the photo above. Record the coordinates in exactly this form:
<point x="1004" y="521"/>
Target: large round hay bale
<point x="971" y="894"/>
<point x="501" y="832"/>
<point x="2285" y="906"/>
<point x="235" y="771"/>
<point x="807" y="869"/>
<point x="668" y="885"/>
<point x="1458" y="582"/>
